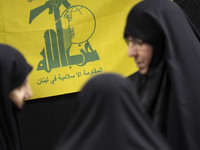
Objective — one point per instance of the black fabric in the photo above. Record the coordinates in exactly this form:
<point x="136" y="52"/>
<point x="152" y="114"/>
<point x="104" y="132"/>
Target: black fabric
<point x="109" y="117"/>
<point x="13" y="71"/>
<point x="191" y="8"/>
<point x="171" y="87"/>
<point x="154" y="91"/>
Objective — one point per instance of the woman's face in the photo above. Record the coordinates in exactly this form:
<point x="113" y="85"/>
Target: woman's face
<point x="19" y="94"/>
<point x="142" y="52"/>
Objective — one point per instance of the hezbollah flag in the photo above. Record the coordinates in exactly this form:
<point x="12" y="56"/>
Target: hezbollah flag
<point x="67" y="41"/>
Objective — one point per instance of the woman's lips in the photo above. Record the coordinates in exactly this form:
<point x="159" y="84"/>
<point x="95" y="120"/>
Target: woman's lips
<point x="138" y="65"/>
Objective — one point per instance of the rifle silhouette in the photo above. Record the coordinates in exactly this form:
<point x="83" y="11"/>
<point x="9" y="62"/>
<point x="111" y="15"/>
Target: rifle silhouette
<point x="37" y="11"/>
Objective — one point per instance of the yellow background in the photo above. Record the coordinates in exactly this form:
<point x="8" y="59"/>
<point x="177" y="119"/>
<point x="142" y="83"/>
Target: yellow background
<point x="107" y="40"/>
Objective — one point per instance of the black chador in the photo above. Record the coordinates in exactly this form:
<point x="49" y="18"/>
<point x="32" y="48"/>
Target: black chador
<point x="169" y="91"/>
<point x="110" y="117"/>
<point x="13" y="71"/>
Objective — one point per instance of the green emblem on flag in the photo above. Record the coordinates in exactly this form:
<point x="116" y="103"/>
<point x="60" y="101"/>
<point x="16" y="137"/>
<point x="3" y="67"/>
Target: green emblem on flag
<point x="56" y="52"/>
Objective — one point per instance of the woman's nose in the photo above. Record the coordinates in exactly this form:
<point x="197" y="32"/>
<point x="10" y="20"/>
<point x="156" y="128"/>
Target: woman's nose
<point x="132" y="50"/>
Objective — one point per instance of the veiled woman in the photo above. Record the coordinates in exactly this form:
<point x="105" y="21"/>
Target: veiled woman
<point x="110" y="117"/>
<point x="166" y="49"/>
<point x="14" y="88"/>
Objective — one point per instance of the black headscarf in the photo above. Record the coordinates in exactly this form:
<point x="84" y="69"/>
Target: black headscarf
<point x="13" y="72"/>
<point x="109" y="117"/>
<point x="170" y="89"/>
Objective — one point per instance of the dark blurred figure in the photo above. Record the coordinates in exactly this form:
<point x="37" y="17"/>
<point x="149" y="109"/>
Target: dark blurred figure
<point x="14" y="88"/>
<point x="110" y="117"/>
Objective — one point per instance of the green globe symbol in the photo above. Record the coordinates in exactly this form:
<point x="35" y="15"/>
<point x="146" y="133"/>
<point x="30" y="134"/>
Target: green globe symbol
<point x="82" y="22"/>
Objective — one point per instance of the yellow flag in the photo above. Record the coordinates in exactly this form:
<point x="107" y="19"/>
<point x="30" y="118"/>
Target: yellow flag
<point x="67" y="41"/>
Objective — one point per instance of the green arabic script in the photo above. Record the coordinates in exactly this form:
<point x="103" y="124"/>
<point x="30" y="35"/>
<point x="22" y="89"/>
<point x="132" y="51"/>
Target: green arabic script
<point x="56" y="52"/>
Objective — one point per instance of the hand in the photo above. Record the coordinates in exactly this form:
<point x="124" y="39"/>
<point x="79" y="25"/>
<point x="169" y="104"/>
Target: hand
<point x="56" y="3"/>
